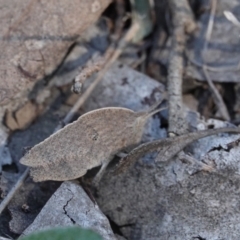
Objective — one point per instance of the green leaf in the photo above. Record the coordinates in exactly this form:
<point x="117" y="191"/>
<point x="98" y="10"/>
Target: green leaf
<point x="141" y="10"/>
<point x="69" y="233"/>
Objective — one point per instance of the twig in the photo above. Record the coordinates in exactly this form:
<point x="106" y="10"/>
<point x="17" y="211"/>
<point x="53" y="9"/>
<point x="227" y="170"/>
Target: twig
<point x="120" y="9"/>
<point x="10" y="195"/>
<point x="232" y="18"/>
<point x="182" y="21"/>
<point x="130" y="34"/>
<point x="235" y="67"/>
<point x="96" y="63"/>
<point x="216" y="95"/>
<point x="92" y="66"/>
<point x="159" y="38"/>
<point x="139" y="61"/>
<point x="115" y="54"/>
<point x="185" y="157"/>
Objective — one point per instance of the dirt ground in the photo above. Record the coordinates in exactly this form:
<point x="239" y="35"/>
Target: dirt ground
<point x="184" y="56"/>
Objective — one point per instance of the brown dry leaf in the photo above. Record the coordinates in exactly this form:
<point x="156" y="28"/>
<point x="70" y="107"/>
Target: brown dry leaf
<point x="22" y="117"/>
<point x="72" y="99"/>
<point x="10" y="122"/>
<point x="190" y="101"/>
<point x="90" y="141"/>
<point x="35" y="36"/>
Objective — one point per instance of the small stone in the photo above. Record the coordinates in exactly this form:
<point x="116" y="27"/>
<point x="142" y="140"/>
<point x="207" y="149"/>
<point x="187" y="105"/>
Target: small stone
<point x="25" y="208"/>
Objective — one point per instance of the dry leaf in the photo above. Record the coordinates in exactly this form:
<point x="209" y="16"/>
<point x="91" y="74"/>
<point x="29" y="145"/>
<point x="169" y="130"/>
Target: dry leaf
<point x="22" y="117"/>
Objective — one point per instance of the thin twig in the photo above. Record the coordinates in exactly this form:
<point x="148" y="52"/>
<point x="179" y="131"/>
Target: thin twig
<point x="97" y="62"/>
<point x="139" y="61"/>
<point x="120" y="9"/>
<point x="232" y="18"/>
<point x="204" y="167"/>
<point x="234" y="68"/>
<point x="116" y="53"/>
<point x="92" y="66"/>
<point x="122" y="43"/>
<point x="10" y="195"/>
<point x="182" y="22"/>
<point x="216" y="95"/>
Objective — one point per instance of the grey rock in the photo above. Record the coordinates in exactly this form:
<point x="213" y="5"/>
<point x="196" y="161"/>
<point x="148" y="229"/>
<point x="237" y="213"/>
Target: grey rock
<point x="70" y="205"/>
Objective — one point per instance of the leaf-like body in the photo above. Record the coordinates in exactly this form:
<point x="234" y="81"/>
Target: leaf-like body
<point x="86" y="143"/>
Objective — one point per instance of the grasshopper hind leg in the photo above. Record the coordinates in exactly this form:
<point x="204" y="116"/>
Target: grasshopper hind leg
<point x="101" y="172"/>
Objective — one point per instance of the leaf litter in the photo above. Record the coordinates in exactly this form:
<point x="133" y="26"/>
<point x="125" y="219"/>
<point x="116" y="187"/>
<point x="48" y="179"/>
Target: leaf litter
<point x="171" y="147"/>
